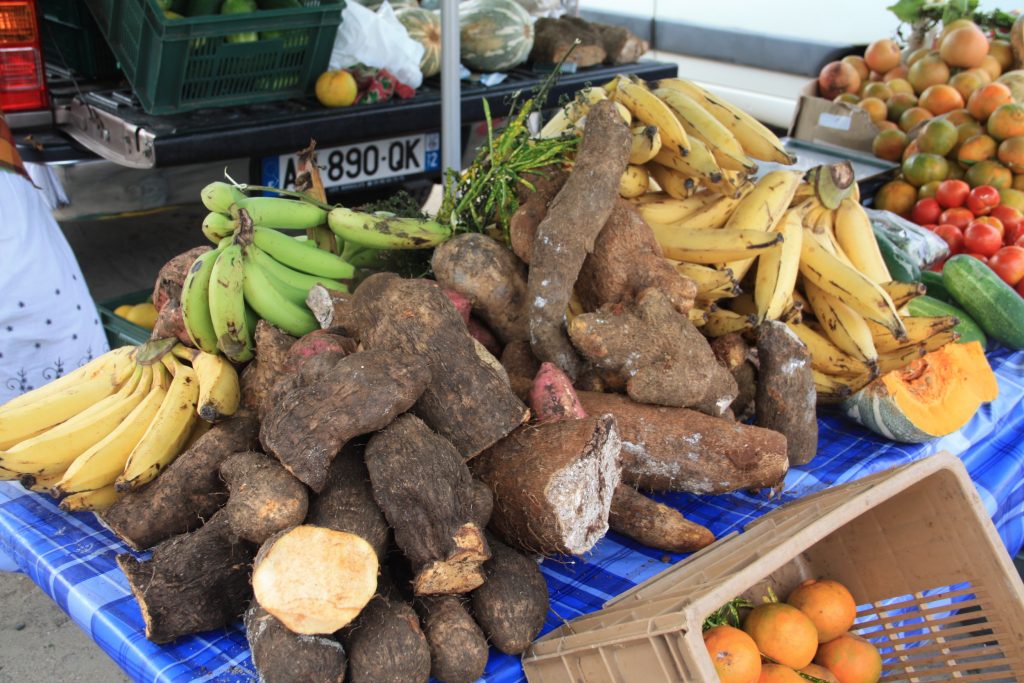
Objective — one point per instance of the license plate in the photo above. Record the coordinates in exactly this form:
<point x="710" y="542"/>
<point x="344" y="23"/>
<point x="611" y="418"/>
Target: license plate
<point x="362" y="164"/>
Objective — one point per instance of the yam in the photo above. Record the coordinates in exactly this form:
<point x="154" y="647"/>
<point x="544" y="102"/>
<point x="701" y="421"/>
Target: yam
<point x="553" y="484"/>
<point x="346" y="502"/>
<point x="491" y="277"/>
<point x="676" y="449"/>
<point x="425" y="490"/>
<point x="569" y="230"/>
<point x="621" y="45"/>
<point x="482" y="335"/>
<point x="259" y="376"/>
<point x="314" y="580"/>
<point x="786" y="397"/>
<point x="385" y="644"/>
<point x="331" y="308"/>
<point x="483" y="503"/>
<point x="195" y="582"/>
<point x="533" y="206"/>
<point x="458" y="648"/>
<point x="556" y="39"/>
<point x="657" y="352"/>
<point x="738" y="358"/>
<point x="552" y="397"/>
<point x="361" y="393"/>
<point x="281" y="656"/>
<point x="519" y="362"/>
<point x="187" y="493"/>
<point x="512" y="604"/>
<point x="466" y="401"/>
<point x="656" y="525"/>
<point x="264" y="498"/>
<point x="627" y="260"/>
<point x="319" y="342"/>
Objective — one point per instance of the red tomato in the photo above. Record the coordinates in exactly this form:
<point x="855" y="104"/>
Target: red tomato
<point x="980" y="257"/>
<point x="1008" y="263"/>
<point x="993" y="221"/>
<point x="1011" y="219"/>
<point x="1020" y="287"/>
<point x="958" y="216"/>
<point x="926" y="211"/>
<point x="983" y="199"/>
<point x="930" y="226"/>
<point x="952" y="193"/>
<point x="982" y="238"/>
<point x="937" y="266"/>
<point x="1019" y="242"/>
<point x="954" y="238"/>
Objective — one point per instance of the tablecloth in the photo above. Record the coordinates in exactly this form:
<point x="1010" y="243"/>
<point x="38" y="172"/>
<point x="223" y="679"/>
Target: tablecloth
<point x="71" y="556"/>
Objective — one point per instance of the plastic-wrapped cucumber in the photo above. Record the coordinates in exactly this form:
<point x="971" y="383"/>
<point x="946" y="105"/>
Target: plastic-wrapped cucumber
<point x="921" y="245"/>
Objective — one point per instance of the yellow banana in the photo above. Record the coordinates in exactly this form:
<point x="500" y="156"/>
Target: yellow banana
<point x="721" y="322"/>
<point x="97" y="500"/>
<point x="219" y="390"/>
<point x="696" y="245"/>
<point x="854" y="235"/>
<point x="794" y="312"/>
<point x="841" y="324"/>
<point x="98" y="365"/>
<point x="902" y="292"/>
<point x="705" y="298"/>
<point x="919" y="330"/>
<point x="777" y="270"/>
<point x="647" y="108"/>
<point x="830" y="388"/>
<point x="705" y="277"/>
<point x="168" y="432"/>
<point x="697" y="316"/>
<point x="700" y="124"/>
<point x="762" y="208"/>
<point x="898" y="358"/>
<point x="826" y="356"/>
<point x="669" y="210"/>
<point x="39" y="483"/>
<point x="757" y="141"/>
<point x="646" y="142"/>
<point x="100" y="465"/>
<point x="672" y="181"/>
<point x="562" y="121"/>
<point x="652" y="197"/>
<point x="713" y="216"/>
<point x="634" y="181"/>
<point x="744" y="305"/>
<point x="700" y="163"/>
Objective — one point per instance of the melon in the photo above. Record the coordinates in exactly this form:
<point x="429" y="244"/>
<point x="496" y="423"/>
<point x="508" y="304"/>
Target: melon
<point x="424" y="27"/>
<point x="932" y="396"/>
<point x="495" y="35"/>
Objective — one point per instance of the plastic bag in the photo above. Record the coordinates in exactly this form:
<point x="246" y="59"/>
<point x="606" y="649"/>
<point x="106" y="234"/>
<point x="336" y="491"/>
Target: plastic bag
<point x="920" y="244"/>
<point x="377" y="39"/>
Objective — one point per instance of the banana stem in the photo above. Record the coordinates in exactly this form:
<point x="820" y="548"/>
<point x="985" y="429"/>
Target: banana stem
<point x="245" y="232"/>
<point x="153" y="351"/>
<point x="291" y="193"/>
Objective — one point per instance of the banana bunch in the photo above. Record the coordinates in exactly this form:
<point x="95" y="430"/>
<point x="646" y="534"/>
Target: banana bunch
<point x="114" y="424"/>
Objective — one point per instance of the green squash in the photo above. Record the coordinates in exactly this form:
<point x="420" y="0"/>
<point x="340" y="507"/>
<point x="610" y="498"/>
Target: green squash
<point x="495" y="35"/>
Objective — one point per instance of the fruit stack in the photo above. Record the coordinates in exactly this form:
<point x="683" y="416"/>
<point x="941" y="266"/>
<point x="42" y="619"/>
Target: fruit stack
<point x="143" y="314"/>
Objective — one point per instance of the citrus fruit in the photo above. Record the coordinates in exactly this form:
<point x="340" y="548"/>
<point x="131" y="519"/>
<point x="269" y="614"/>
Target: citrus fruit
<point x="897" y="196"/>
<point x="958" y="117"/>
<point x="913" y="116"/>
<point x="828" y="604"/>
<point x="899" y="72"/>
<point x="734" y="654"/>
<point x="917" y="55"/>
<point x="897" y="85"/>
<point x="986" y="99"/>
<point x="857" y="62"/>
<point x="1012" y="197"/>
<point x="875" y="108"/>
<point x="965" y="47"/>
<point x="1011" y="153"/>
<point x="966" y="82"/>
<point x="819" y="672"/>
<point x="1006" y="121"/>
<point x="899" y="103"/>
<point x="889" y="144"/>
<point x="836" y="78"/>
<point x="922" y="168"/>
<point x="937" y="137"/>
<point x="989" y="172"/>
<point x="929" y="189"/>
<point x="336" y="88"/>
<point x="941" y="98"/>
<point x="976" y="149"/>
<point x="783" y="633"/>
<point x="122" y="310"/>
<point x="143" y="315"/>
<point x="776" y="673"/>
<point x="1002" y="52"/>
<point x="847" y="97"/>
<point x="927" y="71"/>
<point x="992" y="66"/>
<point x="851" y="659"/>
<point x="877" y="89"/>
<point x="882" y="55"/>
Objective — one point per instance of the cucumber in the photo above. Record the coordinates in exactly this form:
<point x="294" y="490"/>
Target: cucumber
<point x="926" y="306"/>
<point x="936" y="287"/>
<point x="990" y="301"/>
<point x="901" y="267"/>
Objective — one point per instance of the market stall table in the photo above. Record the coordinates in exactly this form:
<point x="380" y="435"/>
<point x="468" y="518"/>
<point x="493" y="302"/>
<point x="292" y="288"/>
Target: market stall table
<point x="71" y="556"/>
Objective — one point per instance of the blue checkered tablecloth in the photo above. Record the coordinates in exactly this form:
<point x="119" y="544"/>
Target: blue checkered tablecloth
<point x="71" y="556"/>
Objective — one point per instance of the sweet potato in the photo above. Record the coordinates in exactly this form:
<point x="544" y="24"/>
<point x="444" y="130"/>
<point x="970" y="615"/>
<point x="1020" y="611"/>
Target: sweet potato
<point x="425" y="490"/>
<point x="512" y="604"/>
<point x="466" y="401"/>
<point x="317" y="342"/>
<point x="281" y="656"/>
<point x="458" y="648"/>
<point x="361" y="393"/>
<point x="264" y="498"/>
<point x="483" y="335"/>
<point x="553" y="484"/>
<point x="786" y="397"/>
<point x="552" y="397"/>
<point x="635" y="515"/>
<point x="569" y="229"/>
<point x="385" y="644"/>
<point x="194" y="582"/>
<point x="676" y="449"/>
<point x="171" y="277"/>
<point x="533" y="206"/>
<point x="461" y="303"/>
<point x="491" y="277"/>
<point x="188" y="492"/>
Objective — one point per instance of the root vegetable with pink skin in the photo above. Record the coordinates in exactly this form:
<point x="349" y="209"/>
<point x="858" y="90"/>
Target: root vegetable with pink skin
<point x="552" y="396"/>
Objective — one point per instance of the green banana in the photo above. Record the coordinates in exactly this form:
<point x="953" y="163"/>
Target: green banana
<point x="274" y="306"/>
<point x="195" y="302"/>
<point x="217" y="226"/>
<point x="297" y="255"/>
<point x="289" y="276"/>
<point x="296" y="295"/>
<point x="386" y="231"/>
<point x="219" y="197"/>
<point x="227" y="305"/>
<point x="276" y="212"/>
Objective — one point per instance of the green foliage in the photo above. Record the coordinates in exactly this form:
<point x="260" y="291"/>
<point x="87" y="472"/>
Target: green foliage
<point x="728" y="614"/>
<point x="930" y="12"/>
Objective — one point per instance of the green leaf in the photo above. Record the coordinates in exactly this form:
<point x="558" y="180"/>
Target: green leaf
<point x="907" y="10"/>
<point x="957" y="9"/>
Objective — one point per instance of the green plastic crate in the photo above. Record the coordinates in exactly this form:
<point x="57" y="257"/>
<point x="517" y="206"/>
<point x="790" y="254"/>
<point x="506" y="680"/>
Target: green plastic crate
<point x="119" y="331"/>
<point x="177" y="65"/>
<point x="72" y="39"/>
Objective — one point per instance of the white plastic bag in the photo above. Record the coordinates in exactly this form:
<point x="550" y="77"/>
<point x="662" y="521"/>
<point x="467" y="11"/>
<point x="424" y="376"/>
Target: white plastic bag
<point x="379" y="40"/>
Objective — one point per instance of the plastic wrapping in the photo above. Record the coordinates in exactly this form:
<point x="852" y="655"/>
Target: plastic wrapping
<point x="921" y="245"/>
<point x="379" y="40"/>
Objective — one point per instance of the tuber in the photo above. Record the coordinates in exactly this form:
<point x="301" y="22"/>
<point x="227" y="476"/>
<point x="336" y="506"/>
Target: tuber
<point x="331" y="308"/>
<point x="259" y="376"/>
<point x="385" y="644"/>
<point x="318" y="342"/>
<point x="281" y="656"/>
<point x="635" y="515"/>
<point x="171" y="277"/>
<point x="786" y="396"/>
<point x="533" y="206"/>
<point x="264" y="498"/>
<point x="552" y="397"/>
<point x="458" y="648"/>
<point x="512" y="604"/>
<point x="519" y="362"/>
<point x="736" y="356"/>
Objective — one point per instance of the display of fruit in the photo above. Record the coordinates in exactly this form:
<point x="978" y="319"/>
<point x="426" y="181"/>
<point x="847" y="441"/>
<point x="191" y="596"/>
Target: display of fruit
<point x="143" y="314"/>
<point x="115" y="423"/>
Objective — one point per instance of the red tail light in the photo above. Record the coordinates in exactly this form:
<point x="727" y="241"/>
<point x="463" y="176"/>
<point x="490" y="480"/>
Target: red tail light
<point x="22" y="79"/>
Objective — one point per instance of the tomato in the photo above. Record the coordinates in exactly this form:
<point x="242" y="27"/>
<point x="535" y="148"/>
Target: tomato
<point x="930" y="226"/>
<point x="926" y="211"/>
<point x="982" y="238"/>
<point x="983" y="199"/>
<point x="957" y="216"/>
<point x="993" y="221"/>
<point x="937" y="266"/>
<point x="954" y="238"/>
<point x="1008" y="263"/>
<point x="1011" y="219"/>
<point x="952" y="193"/>
<point x="980" y="257"/>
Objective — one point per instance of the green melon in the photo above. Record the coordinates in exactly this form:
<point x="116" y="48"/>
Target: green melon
<point x="424" y="27"/>
<point x="495" y="35"/>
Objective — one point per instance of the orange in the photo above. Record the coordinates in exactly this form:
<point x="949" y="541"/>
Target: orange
<point x="851" y="659"/>
<point x="859" y="64"/>
<point x="875" y="108"/>
<point x="899" y="72"/>
<point x="959" y="116"/>
<point x="734" y="654"/>
<point x="922" y="168"/>
<point x="882" y="55"/>
<point x="836" y="78"/>
<point x="989" y="172"/>
<point x="941" y="98"/>
<point x="987" y="99"/>
<point x="336" y="88"/>
<point x="783" y="633"/>
<point x="955" y="172"/>
<point x="976" y="149"/>
<point x="912" y="117"/>
<point x="819" y="672"/>
<point x="899" y="85"/>
<point x="1011" y="153"/>
<point x="965" y="47"/>
<point x="928" y="71"/>
<point x="938" y="136"/>
<point x="1002" y="52"/>
<point x="966" y="82"/>
<point x="897" y="196"/>
<point x="910" y="150"/>
<point x="143" y="315"/>
<point x="877" y="89"/>
<point x="991" y="65"/>
<point x="776" y="673"/>
<point x="828" y="604"/>
<point x="917" y="55"/>
<point x="899" y="103"/>
<point x="886" y="125"/>
<point x="847" y="97"/>
<point x="1007" y="121"/>
<point x="1012" y="197"/>
<point x="889" y="144"/>
<point x="928" y="189"/>
<point x="949" y="28"/>
<point x="986" y="78"/>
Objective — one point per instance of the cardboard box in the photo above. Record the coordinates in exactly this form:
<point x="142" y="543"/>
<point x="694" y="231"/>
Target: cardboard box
<point x="821" y="121"/>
